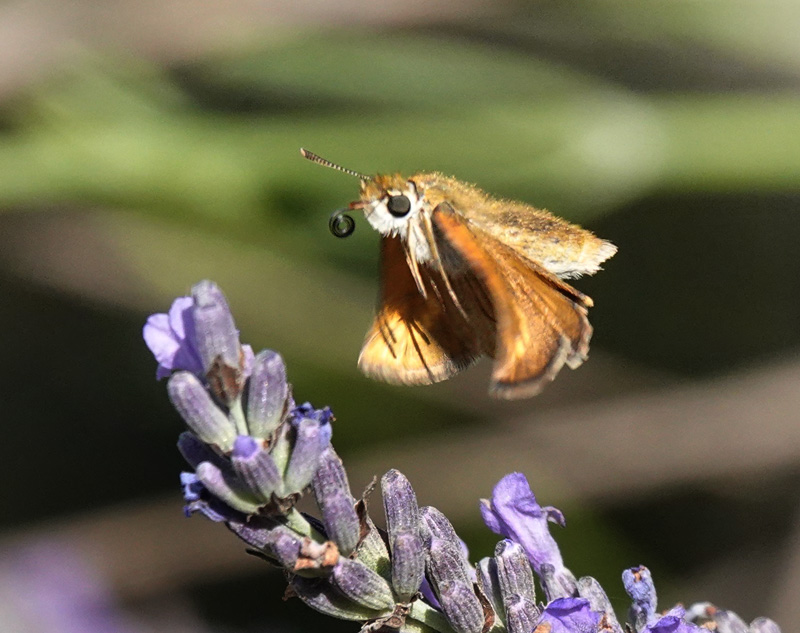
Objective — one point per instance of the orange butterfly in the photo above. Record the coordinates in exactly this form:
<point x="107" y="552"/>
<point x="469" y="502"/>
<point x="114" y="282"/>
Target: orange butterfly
<point x="465" y="275"/>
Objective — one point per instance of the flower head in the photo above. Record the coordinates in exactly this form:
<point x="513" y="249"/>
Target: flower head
<point x="253" y="453"/>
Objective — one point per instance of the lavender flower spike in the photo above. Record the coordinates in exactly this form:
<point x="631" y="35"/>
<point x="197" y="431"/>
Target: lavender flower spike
<point x="254" y="453"/>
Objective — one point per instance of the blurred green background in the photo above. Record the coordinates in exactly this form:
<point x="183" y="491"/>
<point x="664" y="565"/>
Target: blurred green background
<point x="146" y="146"/>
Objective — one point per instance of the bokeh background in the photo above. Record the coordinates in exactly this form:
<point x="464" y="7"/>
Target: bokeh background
<point x="147" y="145"/>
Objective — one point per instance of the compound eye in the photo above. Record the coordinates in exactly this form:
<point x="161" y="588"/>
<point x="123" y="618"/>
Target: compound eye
<point x="398" y="205"/>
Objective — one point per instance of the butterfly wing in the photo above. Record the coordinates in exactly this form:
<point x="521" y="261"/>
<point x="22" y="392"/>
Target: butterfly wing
<point x="558" y="246"/>
<point x="541" y="322"/>
<point x="415" y="338"/>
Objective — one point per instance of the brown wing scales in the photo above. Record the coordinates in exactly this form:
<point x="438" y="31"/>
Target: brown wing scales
<point x="418" y="339"/>
<point x="541" y="322"/>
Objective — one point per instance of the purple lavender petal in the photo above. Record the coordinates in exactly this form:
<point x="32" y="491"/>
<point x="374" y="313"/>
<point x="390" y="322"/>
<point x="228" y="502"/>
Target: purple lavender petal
<point x="570" y="615"/>
<point x="639" y="586"/>
<point x="199" y="411"/>
<point x="192" y="487"/>
<point x="673" y="624"/>
<point x="362" y="585"/>
<point x="305" y="457"/>
<point x="170" y="338"/>
<point x="267" y="394"/>
<point x="514" y="513"/>
<point x="429" y="594"/>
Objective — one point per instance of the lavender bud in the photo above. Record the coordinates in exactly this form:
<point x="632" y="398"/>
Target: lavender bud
<point x="435" y="524"/>
<point x="521" y="614"/>
<point x="764" y="625"/>
<point x="446" y="563"/>
<point x="341" y="522"/>
<point x="217" y="341"/>
<point x="320" y="595"/>
<point x="285" y="547"/>
<point x="224" y="488"/>
<point x="305" y="457"/>
<point x="333" y="496"/>
<point x="255" y="467"/>
<point x="489" y="583"/>
<point x="267" y="394"/>
<point x="195" y="451"/>
<point x="201" y="414"/>
<point x="408" y="564"/>
<point x="514" y="572"/>
<point x="399" y="504"/>
<point x="257" y="531"/>
<point x="729" y="622"/>
<point x="591" y="590"/>
<point x="362" y="585"/>
<point x="557" y="583"/>
<point x="639" y="586"/>
<point x="462" y="607"/>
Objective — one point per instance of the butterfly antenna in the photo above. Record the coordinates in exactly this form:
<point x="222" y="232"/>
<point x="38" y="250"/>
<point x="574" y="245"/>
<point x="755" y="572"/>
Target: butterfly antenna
<point x="326" y="163"/>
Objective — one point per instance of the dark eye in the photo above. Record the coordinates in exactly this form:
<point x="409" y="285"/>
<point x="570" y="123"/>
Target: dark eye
<point x="398" y="206"/>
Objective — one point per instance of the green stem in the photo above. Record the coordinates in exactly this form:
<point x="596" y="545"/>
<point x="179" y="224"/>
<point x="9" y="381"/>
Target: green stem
<point x="296" y="522"/>
<point x="237" y="415"/>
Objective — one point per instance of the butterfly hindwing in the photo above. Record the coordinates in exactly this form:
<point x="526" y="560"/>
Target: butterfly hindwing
<point x="541" y="322"/>
<point x="415" y="339"/>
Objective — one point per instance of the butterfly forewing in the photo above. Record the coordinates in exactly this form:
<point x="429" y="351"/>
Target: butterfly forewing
<point x="560" y="247"/>
<point x="541" y="322"/>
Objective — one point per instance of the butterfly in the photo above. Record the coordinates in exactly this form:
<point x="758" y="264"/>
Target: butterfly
<point x="465" y="275"/>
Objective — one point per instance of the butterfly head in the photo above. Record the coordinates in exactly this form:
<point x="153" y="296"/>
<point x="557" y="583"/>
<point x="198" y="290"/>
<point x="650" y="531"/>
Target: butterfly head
<point x="390" y="203"/>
